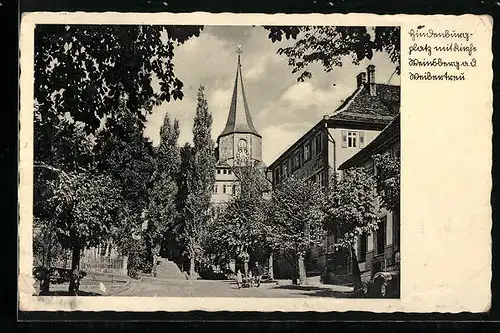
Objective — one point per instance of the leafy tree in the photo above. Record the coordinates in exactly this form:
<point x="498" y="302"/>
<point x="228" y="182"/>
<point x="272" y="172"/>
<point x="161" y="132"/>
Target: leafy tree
<point x="183" y="188"/>
<point x="199" y="182"/>
<point x="351" y="209"/>
<point x="329" y="45"/>
<point x="297" y="214"/>
<point x="83" y="76"/>
<point x="124" y="153"/>
<point x="388" y="179"/>
<point x="162" y="203"/>
<point x="81" y="207"/>
<point x="85" y="69"/>
<point x="241" y="227"/>
<point x="57" y="175"/>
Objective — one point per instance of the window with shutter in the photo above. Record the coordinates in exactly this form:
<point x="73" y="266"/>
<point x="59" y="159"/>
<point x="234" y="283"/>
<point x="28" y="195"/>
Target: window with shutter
<point x="344" y="139"/>
<point x="352" y="138"/>
<point x="361" y="139"/>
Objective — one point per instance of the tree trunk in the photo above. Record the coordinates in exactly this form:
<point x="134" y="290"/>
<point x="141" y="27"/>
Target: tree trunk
<point x="301" y="269"/>
<point x="153" y="267"/>
<point x="74" y="282"/>
<point x="149" y="253"/>
<point x="191" y="266"/>
<point x="356" y="273"/>
<point x="271" y="267"/>
<point x="45" y="270"/>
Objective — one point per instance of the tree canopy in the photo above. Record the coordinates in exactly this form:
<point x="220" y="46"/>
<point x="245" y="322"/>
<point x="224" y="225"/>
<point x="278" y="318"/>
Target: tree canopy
<point x="162" y="196"/>
<point x="296" y="210"/>
<point x="84" y="70"/>
<point x="329" y="45"/>
<point x="197" y="182"/>
<point x="388" y="180"/>
<point x="243" y="225"/>
<point x="351" y="207"/>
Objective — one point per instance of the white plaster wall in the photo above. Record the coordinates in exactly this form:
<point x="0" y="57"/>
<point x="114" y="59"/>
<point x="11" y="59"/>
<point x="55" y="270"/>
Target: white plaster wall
<point x="343" y="154"/>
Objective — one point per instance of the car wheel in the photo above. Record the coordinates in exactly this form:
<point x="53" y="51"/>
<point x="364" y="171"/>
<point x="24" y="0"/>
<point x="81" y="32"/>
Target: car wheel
<point x="364" y="288"/>
<point x="383" y="289"/>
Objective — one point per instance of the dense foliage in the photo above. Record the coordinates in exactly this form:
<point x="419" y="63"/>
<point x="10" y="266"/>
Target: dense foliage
<point x="351" y="209"/>
<point x="93" y="90"/>
<point x="162" y="212"/>
<point x="388" y="174"/>
<point x="242" y="227"/>
<point x="198" y="179"/>
<point x="297" y="217"/>
<point x="84" y="70"/>
<point x="330" y="45"/>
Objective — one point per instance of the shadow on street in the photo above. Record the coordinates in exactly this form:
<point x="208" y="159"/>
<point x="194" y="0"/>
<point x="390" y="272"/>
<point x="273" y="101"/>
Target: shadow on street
<point x="67" y="293"/>
<point x="320" y="291"/>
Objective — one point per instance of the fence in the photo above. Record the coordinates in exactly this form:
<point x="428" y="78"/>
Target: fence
<point x="90" y="261"/>
<point x="104" y="264"/>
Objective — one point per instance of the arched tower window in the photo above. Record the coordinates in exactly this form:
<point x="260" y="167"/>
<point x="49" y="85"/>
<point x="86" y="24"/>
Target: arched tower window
<point x="242" y="145"/>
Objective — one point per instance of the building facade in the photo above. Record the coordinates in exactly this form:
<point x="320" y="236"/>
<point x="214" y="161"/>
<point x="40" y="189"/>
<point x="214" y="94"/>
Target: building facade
<point x="332" y="141"/>
<point x="380" y="250"/>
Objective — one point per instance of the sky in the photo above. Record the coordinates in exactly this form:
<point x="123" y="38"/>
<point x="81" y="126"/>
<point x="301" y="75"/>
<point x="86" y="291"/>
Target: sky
<point x="282" y="109"/>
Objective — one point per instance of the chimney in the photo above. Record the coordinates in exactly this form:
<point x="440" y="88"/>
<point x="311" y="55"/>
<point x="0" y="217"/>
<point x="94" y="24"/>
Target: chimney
<point x="361" y="78"/>
<point x="370" y="70"/>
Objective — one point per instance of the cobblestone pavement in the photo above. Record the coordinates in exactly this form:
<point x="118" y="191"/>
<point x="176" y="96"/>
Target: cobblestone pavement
<point x="224" y="288"/>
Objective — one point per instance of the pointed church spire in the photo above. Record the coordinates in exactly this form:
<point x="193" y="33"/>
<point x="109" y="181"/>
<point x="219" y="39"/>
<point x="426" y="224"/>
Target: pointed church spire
<point x="239" y="119"/>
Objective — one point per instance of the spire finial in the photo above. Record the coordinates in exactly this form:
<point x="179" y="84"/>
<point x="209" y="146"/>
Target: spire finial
<point x="238" y="49"/>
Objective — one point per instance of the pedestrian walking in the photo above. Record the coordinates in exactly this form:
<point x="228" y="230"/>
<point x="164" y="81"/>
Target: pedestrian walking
<point x="258" y="271"/>
<point x="239" y="279"/>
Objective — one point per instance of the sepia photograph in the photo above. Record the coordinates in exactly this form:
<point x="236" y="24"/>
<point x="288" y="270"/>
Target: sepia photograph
<point x="216" y="161"/>
<point x="182" y="162"/>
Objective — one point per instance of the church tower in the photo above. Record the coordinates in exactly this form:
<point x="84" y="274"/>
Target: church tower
<point x="239" y="140"/>
<point x="238" y="143"/>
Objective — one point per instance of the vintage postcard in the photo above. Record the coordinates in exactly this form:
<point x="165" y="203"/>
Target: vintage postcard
<point x="255" y="162"/>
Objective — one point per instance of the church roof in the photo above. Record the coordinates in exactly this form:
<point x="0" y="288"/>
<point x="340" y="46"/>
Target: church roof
<point x="239" y="119"/>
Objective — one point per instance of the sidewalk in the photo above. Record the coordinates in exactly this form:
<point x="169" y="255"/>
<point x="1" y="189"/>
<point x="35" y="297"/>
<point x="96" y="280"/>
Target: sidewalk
<point x="92" y="285"/>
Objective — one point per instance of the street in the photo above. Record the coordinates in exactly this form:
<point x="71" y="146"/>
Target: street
<point x="226" y="288"/>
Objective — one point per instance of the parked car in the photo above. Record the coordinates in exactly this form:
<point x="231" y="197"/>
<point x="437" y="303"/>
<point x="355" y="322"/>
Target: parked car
<point x="383" y="284"/>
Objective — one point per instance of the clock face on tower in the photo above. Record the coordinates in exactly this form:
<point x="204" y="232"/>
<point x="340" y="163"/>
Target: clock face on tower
<point x="242" y="150"/>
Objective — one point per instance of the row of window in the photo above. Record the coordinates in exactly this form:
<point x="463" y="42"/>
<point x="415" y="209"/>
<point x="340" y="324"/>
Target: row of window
<point x="300" y="156"/>
<point x="226" y="188"/>
<point x="224" y="171"/>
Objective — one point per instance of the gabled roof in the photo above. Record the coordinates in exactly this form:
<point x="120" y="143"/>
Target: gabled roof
<point x="239" y="119"/>
<point x="361" y="106"/>
<point x="390" y="134"/>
